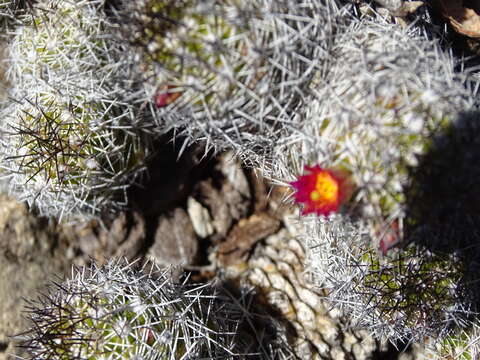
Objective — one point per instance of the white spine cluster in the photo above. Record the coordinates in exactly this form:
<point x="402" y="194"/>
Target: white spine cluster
<point x="385" y="96"/>
<point x="410" y="294"/>
<point x="73" y="140"/>
<point x="122" y="311"/>
<point x="230" y="73"/>
<point x="461" y="344"/>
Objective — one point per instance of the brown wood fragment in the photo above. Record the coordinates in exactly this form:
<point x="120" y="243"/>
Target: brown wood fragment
<point x="465" y="21"/>
<point x="244" y="235"/>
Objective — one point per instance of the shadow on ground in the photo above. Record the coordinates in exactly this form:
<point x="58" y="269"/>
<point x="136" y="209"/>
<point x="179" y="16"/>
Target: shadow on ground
<point x="443" y="206"/>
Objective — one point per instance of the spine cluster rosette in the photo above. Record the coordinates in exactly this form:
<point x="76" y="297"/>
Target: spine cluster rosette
<point x="123" y="311"/>
<point x="232" y="72"/>
<point x="73" y="136"/>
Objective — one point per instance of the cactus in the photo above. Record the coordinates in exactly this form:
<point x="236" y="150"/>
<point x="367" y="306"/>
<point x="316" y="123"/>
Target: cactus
<point x="229" y="72"/>
<point x="428" y="287"/>
<point x="378" y="110"/>
<point x="63" y="41"/>
<point x="458" y="345"/>
<point x="405" y="296"/>
<point x="74" y="139"/>
<point x="124" y="311"/>
<point x="277" y="268"/>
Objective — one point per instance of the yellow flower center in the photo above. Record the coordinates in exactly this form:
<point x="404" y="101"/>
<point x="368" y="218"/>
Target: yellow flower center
<point x="326" y="189"/>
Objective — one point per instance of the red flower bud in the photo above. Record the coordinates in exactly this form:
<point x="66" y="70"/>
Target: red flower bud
<point x="166" y="97"/>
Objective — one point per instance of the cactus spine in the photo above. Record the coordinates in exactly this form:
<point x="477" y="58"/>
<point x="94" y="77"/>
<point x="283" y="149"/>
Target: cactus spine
<point x="74" y="139"/>
<point x="410" y="294"/>
<point x="375" y="113"/>
<point x="123" y="311"/>
<point x="229" y="72"/>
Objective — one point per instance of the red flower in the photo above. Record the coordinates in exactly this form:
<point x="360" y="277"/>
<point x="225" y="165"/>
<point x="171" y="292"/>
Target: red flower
<point x="321" y="191"/>
<point x="166" y="97"/>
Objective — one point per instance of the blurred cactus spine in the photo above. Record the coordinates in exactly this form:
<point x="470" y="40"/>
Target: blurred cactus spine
<point x="11" y="12"/>
<point x="459" y="344"/>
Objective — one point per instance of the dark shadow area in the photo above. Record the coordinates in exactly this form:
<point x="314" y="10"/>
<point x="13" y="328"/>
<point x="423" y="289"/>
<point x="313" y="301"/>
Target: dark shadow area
<point x="3" y="346"/>
<point x="391" y="352"/>
<point x="443" y="211"/>
<point x="262" y="330"/>
<point x="168" y="182"/>
<point x="439" y="28"/>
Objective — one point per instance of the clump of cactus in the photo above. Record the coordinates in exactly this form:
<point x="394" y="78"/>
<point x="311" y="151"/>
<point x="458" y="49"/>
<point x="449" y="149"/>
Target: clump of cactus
<point x="292" y="86"/>
<point x="376" y="111"/>
<point x="416" y="276"/>
<point x="405" y="296"/>
<point x="74" y="139"/>
<point x="124" y="311"/>
<point x="459" y="345"/>
<point x="230" y="73"/>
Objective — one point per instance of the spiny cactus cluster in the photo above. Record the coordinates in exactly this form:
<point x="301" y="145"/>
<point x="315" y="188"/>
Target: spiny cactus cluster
<point x="73" y="137"/>
<point x="385" y="97"/>
<point x="123" y="311"/>
<point x="406" y="296"/>
<point x="229" y="72"/>
<point x="428" y="286"/>
<point x="286" y="84"/>
<point x="390" y="97"/>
